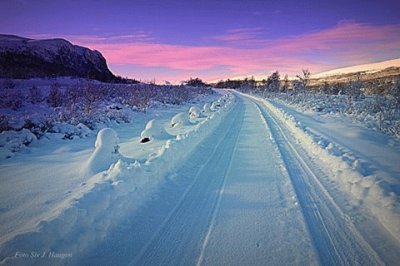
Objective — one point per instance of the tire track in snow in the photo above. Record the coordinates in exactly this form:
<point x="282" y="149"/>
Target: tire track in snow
<point x="217" y="207"/>
<point x="179" y="237"/>
<point x="335" y="238"/>
<point x="257" y="222"/>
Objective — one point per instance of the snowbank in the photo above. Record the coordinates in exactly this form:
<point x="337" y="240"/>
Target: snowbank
<point x="109" y="195"/>
<point x="348" y="173"/>
<point x="376" y="112"/>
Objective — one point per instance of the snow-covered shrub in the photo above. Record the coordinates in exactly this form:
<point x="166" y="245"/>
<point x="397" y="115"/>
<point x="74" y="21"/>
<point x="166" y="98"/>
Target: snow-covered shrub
<point x="35" y="94"/>
<point x="154" y="130"/>
<point x="215" y="106"/>
<point x="91" y="96"/>
<point x="70" y="131"/>
<point x="194" y="112"/>
<point x="106" y="152"/>
<point x="206" y="109"/>
<point x="3" y="123"/>
<point x="5" y="153"/>
<point x="180" y="119"/>
<point x="395" y="93"/>
<point x="8" y="84"/>
<point x="12" y="141"/>
<point x="376" y="112"/>
<point x="93" y="104"/>
<point x="55" y="97"/>
<point x="119" y="113"/>
<point x="67" y="130"/>
<point x="12" y="99"/>
<point x="107" y="139"/>
<point x="83" y="130"/>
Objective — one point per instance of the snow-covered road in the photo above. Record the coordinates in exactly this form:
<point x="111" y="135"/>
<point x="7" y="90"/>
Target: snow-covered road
<point x="249" y="193"/>
<point x="246" y="196"/>
<point x="232" y="203"/>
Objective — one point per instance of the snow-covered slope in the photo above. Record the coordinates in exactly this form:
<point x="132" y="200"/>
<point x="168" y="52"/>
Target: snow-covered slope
<point x="26" y="58"/>
<point x="372" y="67"/>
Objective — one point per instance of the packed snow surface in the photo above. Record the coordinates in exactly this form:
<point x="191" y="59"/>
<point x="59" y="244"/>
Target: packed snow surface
<point x="231" y="181"/>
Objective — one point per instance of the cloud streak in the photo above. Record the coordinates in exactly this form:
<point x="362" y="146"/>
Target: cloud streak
<point x="241" y="34"/>
<point x="348" y="42"/>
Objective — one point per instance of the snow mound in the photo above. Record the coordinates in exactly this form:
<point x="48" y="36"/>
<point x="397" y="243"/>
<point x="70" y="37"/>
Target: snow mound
<point x="180" y="119"/>
<point x="5" y="153"/>
<point x="206" y="109"/>
<point x="105" y="153"/>
<point x="12" y="141"/>
<point x="84" y="131"/>
<point x="154" y="130"/>
<point x="70" y="132"/>
<point x="194" y="112"/>
<point x="215" y="106"/>
<point x="107" y="139"/>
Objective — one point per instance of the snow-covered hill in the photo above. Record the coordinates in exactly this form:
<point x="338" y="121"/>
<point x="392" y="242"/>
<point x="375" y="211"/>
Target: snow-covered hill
<point x="26" y="58"/>
<point x="369" y="68"/>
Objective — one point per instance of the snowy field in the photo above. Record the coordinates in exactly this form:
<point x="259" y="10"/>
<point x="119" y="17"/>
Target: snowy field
<point x="229" y="179"/>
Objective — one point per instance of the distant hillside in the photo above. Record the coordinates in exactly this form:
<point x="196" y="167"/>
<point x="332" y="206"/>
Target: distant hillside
<point x="27" y="58"/>
<point x="364" y="68"/>
<point x="378" y="78"/>
<point x="388" y="74"/>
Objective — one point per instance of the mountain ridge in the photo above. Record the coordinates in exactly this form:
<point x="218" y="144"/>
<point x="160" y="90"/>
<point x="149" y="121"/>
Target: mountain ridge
<point x="22" y="57"/>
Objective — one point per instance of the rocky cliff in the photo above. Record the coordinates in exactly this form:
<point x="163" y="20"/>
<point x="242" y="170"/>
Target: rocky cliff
<point x="28" y="58"/>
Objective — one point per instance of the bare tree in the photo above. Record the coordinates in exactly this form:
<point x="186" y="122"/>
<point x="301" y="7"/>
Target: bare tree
<point x="55" y="96"/>
<point x="273" y="82"/>
<point x="35" y="94"/>
<point x="91" y="95"/>
<point x="395" y="93"/>
<point x="286" y="84"/>
<point x="304" y="79"/>
<point x="355" y="88"/>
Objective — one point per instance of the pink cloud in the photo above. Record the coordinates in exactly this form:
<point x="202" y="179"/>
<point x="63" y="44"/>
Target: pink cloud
<point x="347" y="43"/>
<point x="344" y="36"/>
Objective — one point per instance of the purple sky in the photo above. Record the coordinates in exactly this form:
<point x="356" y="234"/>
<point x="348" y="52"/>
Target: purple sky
<point x="210" y="39"/>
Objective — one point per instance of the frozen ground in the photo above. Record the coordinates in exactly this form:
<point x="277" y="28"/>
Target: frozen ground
<point x="243" y="182"/>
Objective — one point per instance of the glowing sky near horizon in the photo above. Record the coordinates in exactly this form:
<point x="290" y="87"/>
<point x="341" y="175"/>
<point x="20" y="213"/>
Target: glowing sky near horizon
<point x="175" y="40"/>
